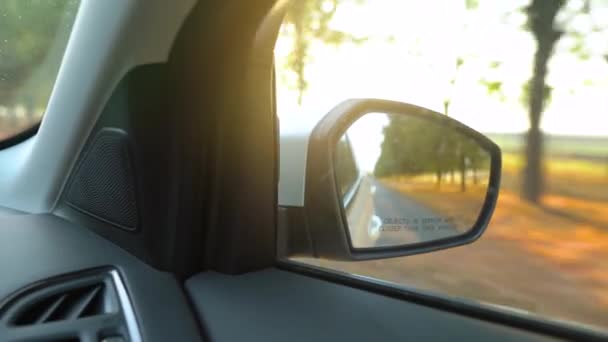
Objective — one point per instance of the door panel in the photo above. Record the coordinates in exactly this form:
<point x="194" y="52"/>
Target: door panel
<point x="277" y="305"/>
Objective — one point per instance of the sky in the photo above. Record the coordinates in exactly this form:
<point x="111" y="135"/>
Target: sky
<point x="410" y="56"/>
<point x="366" y="137"/>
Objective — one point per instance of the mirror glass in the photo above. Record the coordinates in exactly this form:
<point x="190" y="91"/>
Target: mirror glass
<point x="406" y="179"/>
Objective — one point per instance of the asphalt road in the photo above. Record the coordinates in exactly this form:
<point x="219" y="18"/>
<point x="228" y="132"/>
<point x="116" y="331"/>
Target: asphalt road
<point x="404" y="221"/>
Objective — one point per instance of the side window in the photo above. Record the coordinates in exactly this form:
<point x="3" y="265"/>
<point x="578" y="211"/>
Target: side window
<point x="33" y="37"/>
<point x="490" y="65"/>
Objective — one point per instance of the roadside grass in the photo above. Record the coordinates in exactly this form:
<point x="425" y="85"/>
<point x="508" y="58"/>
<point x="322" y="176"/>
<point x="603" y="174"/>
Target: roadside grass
<point x="556" y="145"/>
<point x="566" y="177"/>
<point x="575" y="189"/>
<point x="560" y="166"/>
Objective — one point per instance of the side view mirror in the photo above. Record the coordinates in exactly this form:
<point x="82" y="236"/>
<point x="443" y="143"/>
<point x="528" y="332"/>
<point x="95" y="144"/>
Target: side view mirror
<point x="386" y="179"/>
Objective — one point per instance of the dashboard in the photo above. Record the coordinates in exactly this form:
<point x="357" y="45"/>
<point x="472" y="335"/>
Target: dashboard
<point x="38" y="248"/>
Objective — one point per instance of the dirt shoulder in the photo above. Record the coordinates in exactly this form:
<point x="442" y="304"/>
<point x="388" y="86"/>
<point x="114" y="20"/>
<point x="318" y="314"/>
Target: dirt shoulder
<point x="529" y="258"/>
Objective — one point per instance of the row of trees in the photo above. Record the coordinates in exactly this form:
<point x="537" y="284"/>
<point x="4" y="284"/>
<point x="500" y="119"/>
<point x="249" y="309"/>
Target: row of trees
<point x="414" y="146"/>
<point x="311" y="20"/>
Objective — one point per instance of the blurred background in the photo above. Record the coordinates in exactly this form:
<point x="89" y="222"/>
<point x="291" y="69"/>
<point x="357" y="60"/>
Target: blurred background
<point x="33" y="37"/>
<point x="530" y="74"/>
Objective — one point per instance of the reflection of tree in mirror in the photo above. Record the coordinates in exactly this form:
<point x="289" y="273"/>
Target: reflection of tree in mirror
<point x="414" y="146"/>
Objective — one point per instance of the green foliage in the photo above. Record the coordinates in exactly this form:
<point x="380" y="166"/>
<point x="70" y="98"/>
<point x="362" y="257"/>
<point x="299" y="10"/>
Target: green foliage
<point x="580" y="51"/>
<point x="309" y="20"/>
<point x="29" y="30"/>
<point x="493" y="87"/>
<point x="472" y="4"/>
<point x="525" y="94"/>
<point x="414" y="146"/>
<point x="495" y="64"/>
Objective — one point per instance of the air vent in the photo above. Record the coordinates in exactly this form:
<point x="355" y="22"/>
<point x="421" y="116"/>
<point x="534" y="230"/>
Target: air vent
<point x="86" y="305"/>
<point x="71" y="304"/>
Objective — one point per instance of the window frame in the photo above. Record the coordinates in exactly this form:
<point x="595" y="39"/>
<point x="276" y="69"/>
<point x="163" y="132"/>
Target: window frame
<point x="21" y="136"/>
<point x="483" y="311"/>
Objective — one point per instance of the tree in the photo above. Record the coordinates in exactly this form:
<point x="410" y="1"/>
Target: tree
<point x="406" y="148"/>
<point x="542" y="17"/>
<point x="415" y="146"/>
<point x="541" y="22"/>
<point x="309" y="21"/>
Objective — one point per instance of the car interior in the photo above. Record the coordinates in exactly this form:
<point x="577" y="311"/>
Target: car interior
<point x="144" y="206"/>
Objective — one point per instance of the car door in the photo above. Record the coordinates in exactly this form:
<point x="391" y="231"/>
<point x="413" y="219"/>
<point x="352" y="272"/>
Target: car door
<point x="145" y="206"/>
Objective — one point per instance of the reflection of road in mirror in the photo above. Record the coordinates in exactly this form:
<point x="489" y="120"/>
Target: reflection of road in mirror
<point x="380" y="216"/>
<point x="401" y="213"/>
<point x="374" y="226"/>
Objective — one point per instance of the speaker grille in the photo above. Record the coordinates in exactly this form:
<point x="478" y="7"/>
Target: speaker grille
<point x="103" y="184"/>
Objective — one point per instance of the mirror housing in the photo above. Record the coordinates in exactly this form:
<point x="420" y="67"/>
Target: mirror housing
<point x="325" y="214"/>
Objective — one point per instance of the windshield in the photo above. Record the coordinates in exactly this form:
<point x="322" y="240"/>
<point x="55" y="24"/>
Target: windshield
<point x="33" y="38"/>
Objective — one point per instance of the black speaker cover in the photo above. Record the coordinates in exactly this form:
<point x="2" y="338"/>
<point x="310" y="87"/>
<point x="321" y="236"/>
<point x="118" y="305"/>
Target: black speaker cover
<point x="103" y="183"/>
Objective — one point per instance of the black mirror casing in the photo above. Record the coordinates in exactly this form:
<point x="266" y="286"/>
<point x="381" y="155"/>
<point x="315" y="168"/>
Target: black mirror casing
<point x="323" y="207"/>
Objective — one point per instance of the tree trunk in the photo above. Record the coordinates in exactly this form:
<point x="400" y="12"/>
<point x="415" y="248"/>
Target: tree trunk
<point x="533" y="182"/>
<point x="438" y="174"/>
<point x="475" y="178"/>
<point x="541" y="14"/>
<point x="463" y="174"/>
